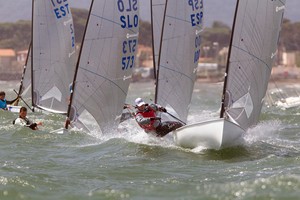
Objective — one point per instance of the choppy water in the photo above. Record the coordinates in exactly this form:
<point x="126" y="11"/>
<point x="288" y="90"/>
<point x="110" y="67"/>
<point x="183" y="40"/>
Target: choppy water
<point x="131" y="165"/>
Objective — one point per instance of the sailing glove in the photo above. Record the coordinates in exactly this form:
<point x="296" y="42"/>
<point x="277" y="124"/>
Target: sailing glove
<point x="163" y="109"/>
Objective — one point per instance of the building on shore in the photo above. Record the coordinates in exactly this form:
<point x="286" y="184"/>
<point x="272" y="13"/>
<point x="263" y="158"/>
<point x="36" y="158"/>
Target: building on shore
<point x="10" y="68"/>
<point x="7" y="56"/>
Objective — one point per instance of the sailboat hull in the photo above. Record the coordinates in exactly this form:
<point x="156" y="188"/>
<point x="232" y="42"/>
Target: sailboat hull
<point x="289" y="102"/>
<point x="14" y="109"/>
<point x="215" y="134"/>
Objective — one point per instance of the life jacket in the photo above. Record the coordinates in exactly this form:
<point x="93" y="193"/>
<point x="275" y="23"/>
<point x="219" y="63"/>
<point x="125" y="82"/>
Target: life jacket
<point x="3" y="104"/>
<point x="148" y="113"/>
<point x="26" y="120"/>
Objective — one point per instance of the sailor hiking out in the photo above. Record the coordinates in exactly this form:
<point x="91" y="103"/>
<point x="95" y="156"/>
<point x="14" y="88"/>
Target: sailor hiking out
<point x="146" y="117"/>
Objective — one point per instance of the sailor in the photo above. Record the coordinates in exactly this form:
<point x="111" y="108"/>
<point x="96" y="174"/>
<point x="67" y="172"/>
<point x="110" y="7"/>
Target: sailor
<point x="146" y="117"/>
<point x="4" y="102"/>
<point x="24" y="121"/>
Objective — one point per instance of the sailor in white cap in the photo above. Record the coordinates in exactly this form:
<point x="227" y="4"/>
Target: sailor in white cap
<point x="146" y="117"/>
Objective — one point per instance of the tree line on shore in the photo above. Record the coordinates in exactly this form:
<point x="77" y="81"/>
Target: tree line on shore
<point x="17" y="35"/>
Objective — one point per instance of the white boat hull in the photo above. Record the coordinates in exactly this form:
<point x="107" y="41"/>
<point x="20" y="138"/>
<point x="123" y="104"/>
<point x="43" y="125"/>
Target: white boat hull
<point x="290" y="102"/>
<point x="14" y="109"/>
<point x="215" y="134"/>
<point x="60" y="131"/>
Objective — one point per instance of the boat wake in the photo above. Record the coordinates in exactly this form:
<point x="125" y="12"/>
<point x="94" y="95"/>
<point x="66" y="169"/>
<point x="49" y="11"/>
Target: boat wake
<point x="264" y="131"/>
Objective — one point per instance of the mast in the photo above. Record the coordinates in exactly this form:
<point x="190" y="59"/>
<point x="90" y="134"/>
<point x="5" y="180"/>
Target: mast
<point x="77" y="66"/>
<point x="32" y="77"/>
<point x="24" y="70"/>
<point x="162" y="34"/>
<point x="228" y="62"/>
<point x="152" y="32"/>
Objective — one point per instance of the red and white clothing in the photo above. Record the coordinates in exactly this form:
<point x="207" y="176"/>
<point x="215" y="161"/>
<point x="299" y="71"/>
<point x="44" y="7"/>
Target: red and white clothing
<point x="145" y="118"/>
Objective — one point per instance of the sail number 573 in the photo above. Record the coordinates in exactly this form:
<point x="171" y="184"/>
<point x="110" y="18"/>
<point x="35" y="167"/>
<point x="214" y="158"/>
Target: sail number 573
<point x="129" y="47"/>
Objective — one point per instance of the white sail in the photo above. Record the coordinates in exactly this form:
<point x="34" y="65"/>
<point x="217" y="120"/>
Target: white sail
<point x="157" y="18"/>
<point x="106" y="61"/>
<point x="254" y="44"/>
<point x="53" y="54"/>
<point x="179" y="55"/>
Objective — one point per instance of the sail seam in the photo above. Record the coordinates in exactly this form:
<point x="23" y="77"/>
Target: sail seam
<point x="104" y="78"/>
<point x="182" y="20"/>
<point x="178" y="72"/>
<point x="252" y="56"/>
<point x="111" y="21"/>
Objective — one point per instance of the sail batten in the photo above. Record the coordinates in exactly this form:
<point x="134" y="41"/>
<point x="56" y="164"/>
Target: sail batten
<point x="254" y="45"/>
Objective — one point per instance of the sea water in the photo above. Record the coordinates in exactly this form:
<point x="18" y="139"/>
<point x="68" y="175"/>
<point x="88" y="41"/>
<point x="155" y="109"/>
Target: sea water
<point x="129" y="164"/>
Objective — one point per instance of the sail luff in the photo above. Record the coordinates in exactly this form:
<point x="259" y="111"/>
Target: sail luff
<point x="77" y="66"/>
<point x="157" y="18"/>
<point x="31" y="66"/>
<point x="179" y="55"/>
<point x="106" y="64"/>
<point x="152" y="33"/>
<point x="254" y="47"/>
<point x="53" y="47"/>
<point x="159" y="52"/>
<point x="228" y="61"/>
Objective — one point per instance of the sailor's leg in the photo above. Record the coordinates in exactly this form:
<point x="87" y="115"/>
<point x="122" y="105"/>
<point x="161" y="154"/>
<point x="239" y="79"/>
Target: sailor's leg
<point x="167" y="127"/>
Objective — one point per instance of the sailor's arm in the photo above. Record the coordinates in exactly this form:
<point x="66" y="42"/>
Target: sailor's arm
<point x="142" y="120"/>
<point x="157" y="107"/>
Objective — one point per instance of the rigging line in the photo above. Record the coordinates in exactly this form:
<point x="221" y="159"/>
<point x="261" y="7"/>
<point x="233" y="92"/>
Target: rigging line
<point x="112" y="22"/>
<point x="24" y="101"/>
<point x="281" y="95"/>
<point x="176" y="118"/>
<point x="105" y="79"/>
